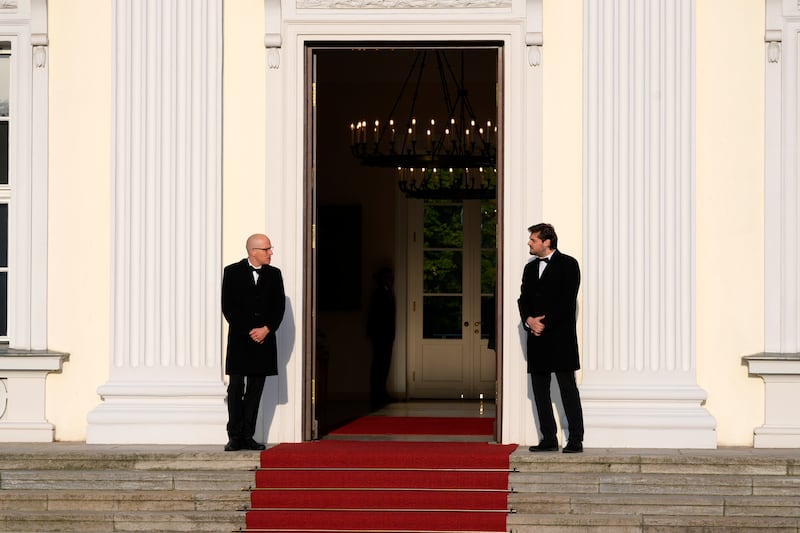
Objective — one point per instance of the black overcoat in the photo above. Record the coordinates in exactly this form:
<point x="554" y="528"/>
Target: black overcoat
<point x="247" y="305"/>
<point x="555" y="296"/>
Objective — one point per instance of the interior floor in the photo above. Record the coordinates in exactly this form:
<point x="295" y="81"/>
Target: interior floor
<point x="442" y="408"/>
<point x="428" y="408"/>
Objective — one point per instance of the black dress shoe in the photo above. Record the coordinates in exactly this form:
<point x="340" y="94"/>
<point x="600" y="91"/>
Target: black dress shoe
<point x="251" y="444"/>
<point x="233" y="446"/>
<point x="544" y="447"/>
<point x="573" y="447"/>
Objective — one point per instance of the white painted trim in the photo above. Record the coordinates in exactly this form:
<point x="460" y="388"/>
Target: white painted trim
<point x="27" y="301"/>
<point x="284" y="149"/>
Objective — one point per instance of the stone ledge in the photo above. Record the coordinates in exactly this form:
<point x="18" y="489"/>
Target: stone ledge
<point x="17" y="359"/>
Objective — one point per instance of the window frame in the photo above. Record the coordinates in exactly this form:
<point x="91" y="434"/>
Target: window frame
<point x="6" y="189"/>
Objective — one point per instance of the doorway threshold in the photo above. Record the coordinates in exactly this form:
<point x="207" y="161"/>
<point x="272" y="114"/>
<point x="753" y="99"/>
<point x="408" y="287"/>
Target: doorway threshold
<point x="427" y="421"/>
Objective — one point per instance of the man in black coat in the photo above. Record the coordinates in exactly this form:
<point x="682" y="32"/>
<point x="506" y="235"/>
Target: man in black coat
<point x="547" y="306"/>
<point x="253" y="302"/>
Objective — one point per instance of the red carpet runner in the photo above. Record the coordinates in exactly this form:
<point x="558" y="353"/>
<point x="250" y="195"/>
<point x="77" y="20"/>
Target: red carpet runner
<point x="381" y="486"/>
<point x="417" y="425"/>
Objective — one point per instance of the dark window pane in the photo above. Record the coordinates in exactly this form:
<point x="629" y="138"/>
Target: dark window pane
<point x="443" y="226"/>
<point x="441" y="317"/>
<point x="488" y="319"/>
<point x="489" y="224"/>
<point x="3" y="304"/>
<point x="488" y="271"/>
<point x="3" y="235"/>
<point x="442" y="272"/>
<point x="3" y="153"/>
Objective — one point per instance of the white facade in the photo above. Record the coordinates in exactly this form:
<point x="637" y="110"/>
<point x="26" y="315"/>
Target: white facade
<point x="179" y="130"/>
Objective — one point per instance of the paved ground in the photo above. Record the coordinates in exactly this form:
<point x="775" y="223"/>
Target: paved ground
<point x="83" y="448"/>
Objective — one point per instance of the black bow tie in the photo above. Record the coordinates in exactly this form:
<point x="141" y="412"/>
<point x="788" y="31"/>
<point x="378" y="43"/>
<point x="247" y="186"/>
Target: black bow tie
<point x="545" y="259"/>
<point x="256" y="270"/>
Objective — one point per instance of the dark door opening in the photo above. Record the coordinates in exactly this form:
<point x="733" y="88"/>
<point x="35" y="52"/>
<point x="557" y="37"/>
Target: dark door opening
<point x="359" y="223"/>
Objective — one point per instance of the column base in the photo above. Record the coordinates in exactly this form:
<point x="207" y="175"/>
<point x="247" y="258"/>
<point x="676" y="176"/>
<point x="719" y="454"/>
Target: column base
<point x="159" y="414"/>
<point x="26" y="431"/>
<point x="776" y="437"/>
<point x="647" y="417"/>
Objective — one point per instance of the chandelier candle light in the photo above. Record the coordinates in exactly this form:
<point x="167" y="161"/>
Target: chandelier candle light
<point x="457" y="161"/>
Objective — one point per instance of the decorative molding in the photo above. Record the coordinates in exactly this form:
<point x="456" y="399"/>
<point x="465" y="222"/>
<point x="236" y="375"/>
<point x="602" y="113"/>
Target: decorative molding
<point x="402" y="4"/>
<point x="534" y="42"/>
<point x="273" y="39"/>
<point x="773" y="39"/>
<point x="40" y="43"/>
<point x="8" y="4"/>
<point x="533" y="36"/>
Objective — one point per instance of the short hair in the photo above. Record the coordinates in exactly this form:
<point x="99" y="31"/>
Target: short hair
<point x="545" y="231"/>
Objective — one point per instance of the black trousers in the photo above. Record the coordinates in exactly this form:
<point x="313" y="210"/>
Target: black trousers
<point x="571" y="399"/>
<point x="244" y="399"/>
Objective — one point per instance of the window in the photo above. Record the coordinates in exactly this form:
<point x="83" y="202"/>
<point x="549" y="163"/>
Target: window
<point x="5" y="187"/>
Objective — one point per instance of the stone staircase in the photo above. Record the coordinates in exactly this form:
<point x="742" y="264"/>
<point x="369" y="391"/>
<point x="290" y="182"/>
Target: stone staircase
<point x="124" y="489"/>
<point x="79" y="487"/>
<point x="632" y="491"/>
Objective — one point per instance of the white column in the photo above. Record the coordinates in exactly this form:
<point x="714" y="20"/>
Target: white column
<point x="165" y="383"/>
<point x="639" y="387"/>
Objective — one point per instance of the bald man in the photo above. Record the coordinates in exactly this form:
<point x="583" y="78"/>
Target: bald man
<point x="253" y="302"/>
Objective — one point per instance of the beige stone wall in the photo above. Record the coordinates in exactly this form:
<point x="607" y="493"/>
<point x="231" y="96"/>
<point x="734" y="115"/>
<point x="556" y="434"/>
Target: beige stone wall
<point x="730" y="212"/>
<point x="79" y="227"/>
<point x="729" y="194"/>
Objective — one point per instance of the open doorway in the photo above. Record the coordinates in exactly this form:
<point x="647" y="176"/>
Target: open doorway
<point x="441" y="252"/>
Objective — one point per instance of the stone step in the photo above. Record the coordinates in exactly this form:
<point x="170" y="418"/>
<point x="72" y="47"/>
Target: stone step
<point x="126" y="489"/>
<point x="720" y="485"/>
<point x="125" y="480"/>
<point x="64" y="457"/>
<point x="651" y="504"/>
<point x="571" y="523"/>
<point x="121" y="521"/>
<point x="657" y="491"/>
<point x="144" y="500"/>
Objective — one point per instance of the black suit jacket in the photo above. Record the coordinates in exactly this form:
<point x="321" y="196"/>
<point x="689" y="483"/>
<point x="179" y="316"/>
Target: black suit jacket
<point x="555" y="296"/>
<point x="247" y="305"/>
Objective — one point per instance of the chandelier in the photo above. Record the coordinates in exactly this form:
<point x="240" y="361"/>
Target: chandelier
<point x="452" y="156"/>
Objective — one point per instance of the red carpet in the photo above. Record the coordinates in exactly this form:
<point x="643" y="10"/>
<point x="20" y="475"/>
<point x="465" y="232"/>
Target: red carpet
<point x="417" y="425"/>
<point x="389" y="486"/>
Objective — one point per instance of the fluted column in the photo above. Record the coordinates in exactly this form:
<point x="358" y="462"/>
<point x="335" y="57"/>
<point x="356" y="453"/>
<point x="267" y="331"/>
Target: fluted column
<point x="165" y="383"/>
<point x="639" y="386"/>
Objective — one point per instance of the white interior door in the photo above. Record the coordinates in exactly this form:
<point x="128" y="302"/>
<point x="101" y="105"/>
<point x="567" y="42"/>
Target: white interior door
<point x="452" y="280"/>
